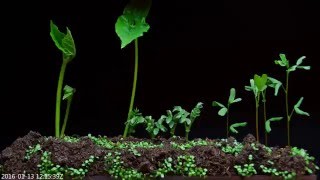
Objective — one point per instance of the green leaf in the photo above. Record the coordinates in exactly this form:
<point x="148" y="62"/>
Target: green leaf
<point x="260" y="81"/>
<point x="233" y="126"/>
<point x="300" y="60"/>
<point x="171" y="124"/>
<point x="274" y="83"/>
<point x="169" y="116"/>
<point x="283" y="60"/>
<point x="68" y="92"/>
<point x="237" y="100"/>
<point x="232" y="95"/>
<point x="216" y="103"/>
<point x="64" y="42"/>
<point x="304" y="67"/>
<point x="188" y="121"/>
<point x="298" y="110"/>
<point x="155" y="131"/>
<point x="292" y="68"/>
<point x="131" y="24"/>
<point x="267" y="125"/>
<point x="223" y="111"/>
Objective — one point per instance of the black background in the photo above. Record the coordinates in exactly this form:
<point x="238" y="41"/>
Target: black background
<point x="194" y="51"/>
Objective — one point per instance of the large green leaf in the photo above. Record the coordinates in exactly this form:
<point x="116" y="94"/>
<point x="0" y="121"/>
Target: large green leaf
<point x="267" y="125"/>
<point x="233" y="126"/>
<point x="298" y="110"/>
<point x="260" y="81"/>
<point x="132" y="23"/>
<point x="64" y="42"/>
<point x="223" y="111"/>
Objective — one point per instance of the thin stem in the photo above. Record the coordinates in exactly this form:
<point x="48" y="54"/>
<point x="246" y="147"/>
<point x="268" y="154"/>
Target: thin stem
<point x="228" y="120"/>
<point x="58" y="98"/>
<point x="172" y="131"/>
<point x="135" y="77"/>
<point x="287" y="107"/>
<point x="265" y="117"/>
<point x="257" y="117"/>
<point x="66" y="116"/>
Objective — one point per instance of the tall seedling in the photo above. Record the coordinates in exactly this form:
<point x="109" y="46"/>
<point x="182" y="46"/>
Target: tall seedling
<point x="129" y="27"/>
<point x="284" y="62"/>
<point x="65" y="43"/>
<point x="257" y="85"/>
<point x="225" y="109"/>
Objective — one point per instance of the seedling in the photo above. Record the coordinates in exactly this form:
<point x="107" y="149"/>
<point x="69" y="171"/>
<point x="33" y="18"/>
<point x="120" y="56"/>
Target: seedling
<point x="284" y="62"/>
<point x="225" y="109"/>
<point x="257" y="86"/>
<point x="129" y="27"/>
<point x="153" y="127"/>
<point x="65" y="43"/>
<point x="68" y="96"/>
<point x="194" y="114"/>
<point x="180" y="116"/>
<point x="136" y="119"/>
<point x="235" y="125"/>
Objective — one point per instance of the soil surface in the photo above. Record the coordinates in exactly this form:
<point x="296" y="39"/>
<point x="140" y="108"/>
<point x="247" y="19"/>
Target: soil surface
<point x="214" y="155"/>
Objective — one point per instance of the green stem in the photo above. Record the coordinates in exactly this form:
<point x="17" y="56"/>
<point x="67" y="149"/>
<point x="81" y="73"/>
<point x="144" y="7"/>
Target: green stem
<point x="257" y="117"/>
<point x="228" y="120"/>
<point x="58" y="97"/>
<point x="135" y="77"/>
<point x="66" y="116"/>
<point x="172" y="131"/>
<point x="188" y="131"/>
<point x="265" y="117"/>
<point x="287" y="107"/>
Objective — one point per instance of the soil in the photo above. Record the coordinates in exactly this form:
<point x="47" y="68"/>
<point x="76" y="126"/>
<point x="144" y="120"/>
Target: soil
<point x="216" y="161"/>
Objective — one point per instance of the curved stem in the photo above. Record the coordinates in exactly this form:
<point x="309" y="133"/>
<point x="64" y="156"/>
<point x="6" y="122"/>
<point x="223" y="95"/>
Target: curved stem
<point x="172" y="131"/>
<point x="135" y="77"/>
<point x="228" y="120"/>
<point x="66" y="116"/>
<point x="58" y="98"/>
<point x="287" y="108"/>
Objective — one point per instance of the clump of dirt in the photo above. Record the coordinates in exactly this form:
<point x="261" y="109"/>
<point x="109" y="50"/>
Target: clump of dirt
<point x="211" y="155"/>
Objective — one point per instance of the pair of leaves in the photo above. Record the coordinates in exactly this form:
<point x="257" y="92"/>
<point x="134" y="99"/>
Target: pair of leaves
<point x="298" y="110"/>
<point x="285" y="63"/>
<point x="195" y="112"/>
<point x="274" y="83"/>
<point x="63" y="41"/>
<point x="68" y="92"/>
<point x="258" y="84"/>
<point x="181" y="115"/>
<point x="235" y="125"/>
<point x="154" y="127"/>
<point x="132" y="23"/>
<point x="232" y="99"/>
<point x="267" y="124"/>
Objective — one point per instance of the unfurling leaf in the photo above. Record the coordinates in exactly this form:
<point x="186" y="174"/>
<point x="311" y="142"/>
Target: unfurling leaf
<point x="267" y="125"/>
<point x="68" y="92"/>
<point x="155" y="131"/>
<point x="233" y="126"/>
<point x="274" y="83"/>
<point x="223" y="111"/>
<point x="195" y="112"/>
<point x="283" y="60"/>
<point x="298" y="110"/>
<point x="260" y="81"/>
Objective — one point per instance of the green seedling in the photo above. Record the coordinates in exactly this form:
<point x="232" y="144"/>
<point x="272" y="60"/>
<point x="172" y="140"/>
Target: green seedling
<point x="65" y="43"/>
<point x="180" y="116"/>
<point x="235" y="125"/>
<point x="257" y="86"/>
<point x="129" y="27"/>
<point x="267" y="123"/>
<point x="225" y="109"/>
<point x="68" y="96"/>
<point x="136" y="119"/>
<point x="195" y="112"/>
<point x="153" y="127"/>
<point x="284" y="62"/>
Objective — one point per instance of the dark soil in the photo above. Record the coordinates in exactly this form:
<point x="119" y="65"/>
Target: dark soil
<point x="212" y="157"/>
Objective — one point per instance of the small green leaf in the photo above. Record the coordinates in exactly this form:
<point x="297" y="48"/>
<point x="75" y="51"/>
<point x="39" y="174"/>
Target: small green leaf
<point x="169" y="116"/>
<point x="267" y="125"/>
<point x="216" y="103"/>
<point x="233" y="126"/>
<point x="260" y="81"/>
<point x="68" y="92"/>
<point x="188" y="121"/>
<point x="298" y="110"/>
<point x="292" y="68"/>
<point x="300" y="60"/>
<point x="283" y="60"/>
<point x="232" y="95"/>
<point x="304" y="67"/>
<point x="237" y="100"/>
<point x="274" y="83"/>
<point x="223" y="111"/>
<point x="171" y="124"/>
<point x="155" y="131"/>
